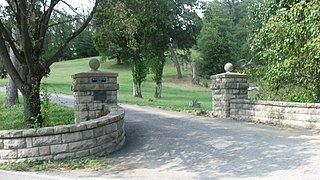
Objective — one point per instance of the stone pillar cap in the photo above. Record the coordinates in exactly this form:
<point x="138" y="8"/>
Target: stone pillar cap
<point x="228" y="67"/>
<point x="94" y="64"/>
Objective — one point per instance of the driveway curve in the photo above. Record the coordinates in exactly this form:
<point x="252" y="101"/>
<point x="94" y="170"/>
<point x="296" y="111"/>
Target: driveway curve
<point x="171" y="145"/>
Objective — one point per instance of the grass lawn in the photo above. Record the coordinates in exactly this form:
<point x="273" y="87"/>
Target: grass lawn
<point x="176" y="93"/>
<point x="12" y="117"/>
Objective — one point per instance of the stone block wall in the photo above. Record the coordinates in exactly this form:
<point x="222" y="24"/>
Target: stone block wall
<point x="95" y="137"/>
<point x="94" y="92"/>
<point x="229" y="98"/>
<point x="305" y="115"/>
<point x="225" y="87"/>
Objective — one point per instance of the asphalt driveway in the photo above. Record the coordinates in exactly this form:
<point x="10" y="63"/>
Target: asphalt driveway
<point x="172" y="145"/>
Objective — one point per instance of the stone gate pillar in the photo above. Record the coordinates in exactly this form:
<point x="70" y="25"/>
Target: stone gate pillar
<point x="227" y="86"/>
<point x="94" y="91"/>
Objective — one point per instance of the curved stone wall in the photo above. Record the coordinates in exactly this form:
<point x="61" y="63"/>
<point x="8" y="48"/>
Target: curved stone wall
<point x="96" y="137"/>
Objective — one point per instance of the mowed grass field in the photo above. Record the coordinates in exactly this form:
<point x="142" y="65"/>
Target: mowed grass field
<point x="176" y="93"/>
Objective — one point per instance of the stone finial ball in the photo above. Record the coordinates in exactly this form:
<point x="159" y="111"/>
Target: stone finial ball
<point x="94" y="64"/>
<point x="228" y="67"/>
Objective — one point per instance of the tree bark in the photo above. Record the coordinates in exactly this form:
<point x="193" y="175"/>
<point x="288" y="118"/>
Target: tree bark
<point x="137" y="89"/>
<point x="158" y="91"/>
<point x="32" y="106"/>
<point x="175" y="60"/>
<point x="11" y="88"/>
<point x="194" y="79"/>
<point x="158" y="76"/>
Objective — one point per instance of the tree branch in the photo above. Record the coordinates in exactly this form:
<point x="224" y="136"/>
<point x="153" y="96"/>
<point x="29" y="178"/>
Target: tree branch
<point x="61" y="22"/>
<point x="12" y="8"/>
<point x="25" y="37"/>
<point x="7" y="37"/>
<point x="4" y="55"/>
<point x="42" y="27"/>
<point x="59" y="52"/>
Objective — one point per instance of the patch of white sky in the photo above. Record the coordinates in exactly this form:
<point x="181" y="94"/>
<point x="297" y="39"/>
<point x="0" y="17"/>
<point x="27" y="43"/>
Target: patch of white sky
<point x="80" y="6"/>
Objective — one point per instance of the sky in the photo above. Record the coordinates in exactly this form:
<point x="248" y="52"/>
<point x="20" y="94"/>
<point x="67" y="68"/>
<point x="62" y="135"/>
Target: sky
<point x="81" y="5"/>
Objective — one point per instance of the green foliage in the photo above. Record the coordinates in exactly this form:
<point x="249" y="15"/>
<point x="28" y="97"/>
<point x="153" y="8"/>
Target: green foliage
<point x="214" y="40"/>
<point x="82" y="46"/>
<point x="139" y="32"/>
<point x="176" y="93"/>
<point x="3" y="73"/>
<point x="45" y="103"/>
<point x="12" y="117"/>
<point x="92" y="163"/>
<point x="288" y="45"/>
<point x="223" y="37"/>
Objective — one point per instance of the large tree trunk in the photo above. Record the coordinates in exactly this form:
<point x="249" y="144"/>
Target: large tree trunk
<point x="11" y="93"/>
<point x="175" y="59"/>
<point x="32" y="106"/>
<point x="11" y="88"/>
<point x="137" y="90"/>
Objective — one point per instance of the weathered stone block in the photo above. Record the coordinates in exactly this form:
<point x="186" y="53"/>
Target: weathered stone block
<point x="81" y="114"/>
<point x="14" y="133"/>
<point x="100" y="131"/>
<point x="88" y="134"/>
<point x="81" y="107"/>
<point x="84" y="99"/>
<point x="95" y="150"/>
<point x="62" y="129"/>
<point x="82" y="80"/>
<point x="46" y="140"/>
<point x="59" y="148"/>
<point x="29" y="132"/>
<point x="45" y="131"/>
<point x="82" y="153"/>
<point x="28" y="152"/>
<point x="9" y="154"/>
<point x="91" y="124"/>
<point x="82" y="145"/>
<point x="78" y="127"/>
<point x="71" y="137"/>
<point x="111" y="128"/>
<point x="64" y="156"/>
<point x="44" y="150"/>
<point x="41" y="158"/>
<point x="106" y="138"/>
<point x="14" y="143"/>
<point x="29" y="142"/>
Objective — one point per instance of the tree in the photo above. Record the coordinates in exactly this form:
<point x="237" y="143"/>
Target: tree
<point x="223" y="37"/>
<point x="33" y="20"/>
<point x="288" y="45"/>
<point x="11" y="89"/>
<point x="82" y="45"/>
<point x="118" y="34"/>
<point x="215" y="40"/>
<point x="140" y="30"/>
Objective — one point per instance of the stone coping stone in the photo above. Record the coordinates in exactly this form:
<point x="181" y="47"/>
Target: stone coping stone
<point x="94" y="74"/>
<point x="276" y="103"/>
<point x="228" y="75"/>
<point x="116" y="114"/>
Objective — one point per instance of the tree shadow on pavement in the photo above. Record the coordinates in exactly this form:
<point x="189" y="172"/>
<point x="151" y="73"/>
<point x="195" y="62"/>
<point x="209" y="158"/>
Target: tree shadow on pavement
<point x="206" y="148"/>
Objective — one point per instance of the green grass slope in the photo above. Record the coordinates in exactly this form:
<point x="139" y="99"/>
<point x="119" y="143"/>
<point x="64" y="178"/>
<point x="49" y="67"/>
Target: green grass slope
<point x="176" y="93"/>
